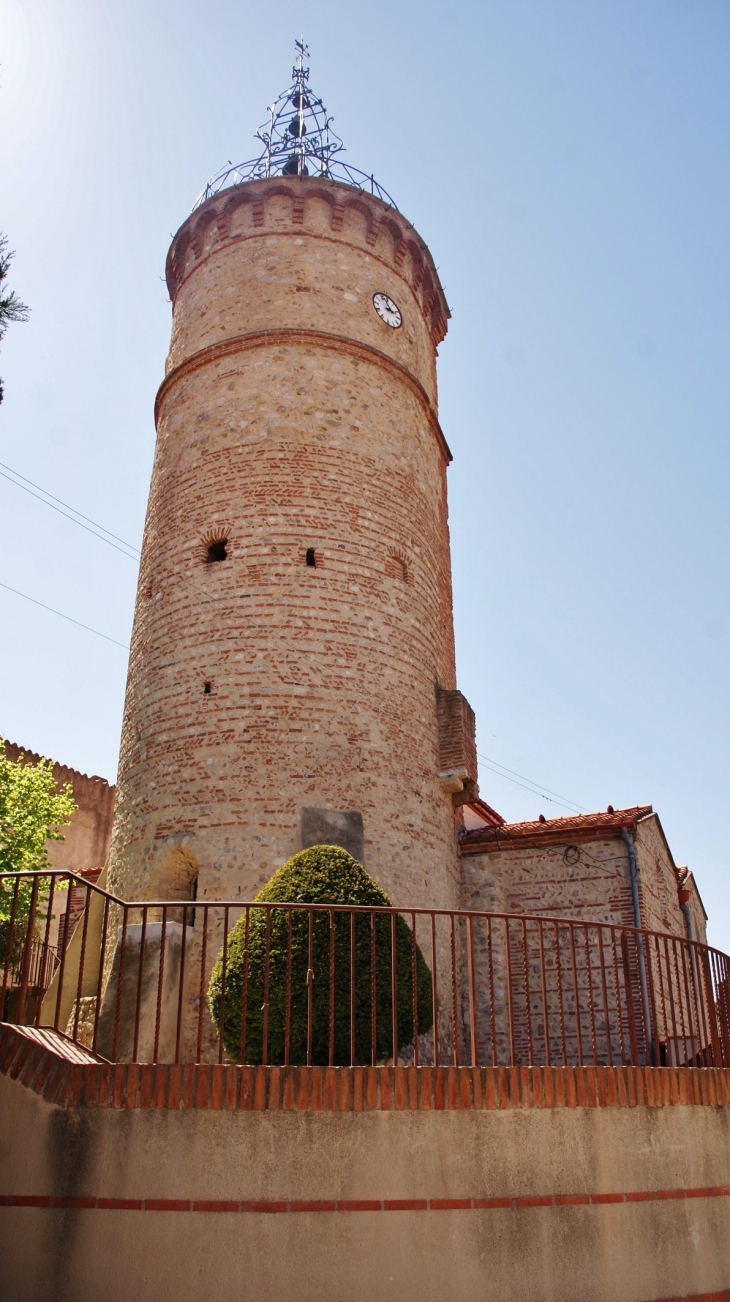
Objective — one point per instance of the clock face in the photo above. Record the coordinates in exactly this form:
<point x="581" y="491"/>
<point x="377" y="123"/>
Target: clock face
<point x="387" y="310"/>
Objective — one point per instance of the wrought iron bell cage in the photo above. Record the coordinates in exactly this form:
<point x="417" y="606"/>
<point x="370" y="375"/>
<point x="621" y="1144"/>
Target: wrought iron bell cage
<point x="298" y="140"/>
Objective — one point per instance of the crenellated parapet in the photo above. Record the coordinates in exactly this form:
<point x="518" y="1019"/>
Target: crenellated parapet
<point x="322" y="208"/>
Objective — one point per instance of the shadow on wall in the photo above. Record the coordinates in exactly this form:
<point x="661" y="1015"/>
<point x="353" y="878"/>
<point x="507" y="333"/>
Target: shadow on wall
<point x="178" y="875"/>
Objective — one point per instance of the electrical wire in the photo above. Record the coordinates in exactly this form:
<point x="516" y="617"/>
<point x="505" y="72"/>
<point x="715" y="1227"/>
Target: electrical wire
<point x="515" y="774"/>
<point x="500" y="770"/>
<point x="43" y="606"/>
<point x="69" y="508"/>
<point x="534" y="787"/>
<point x="533" y="791"/>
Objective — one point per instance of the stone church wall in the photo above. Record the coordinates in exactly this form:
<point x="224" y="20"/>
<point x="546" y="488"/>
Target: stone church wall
<point x="589" y="881"/>
<point x="660" y="909"/>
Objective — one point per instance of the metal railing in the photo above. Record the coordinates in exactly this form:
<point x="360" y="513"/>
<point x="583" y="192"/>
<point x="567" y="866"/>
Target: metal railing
<point x="320" y="984"/>
<point x="256" y="170"/>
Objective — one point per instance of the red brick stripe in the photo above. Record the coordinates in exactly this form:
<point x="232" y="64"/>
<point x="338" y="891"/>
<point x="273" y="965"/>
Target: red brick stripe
<point x="307" y="338"/>
<point x="166" y="1204"/>
<point x="27" y="1200"/>
<point x="358" y="1204"/>
<point x="119" y="1204"/>
<point x="722" y="1296"/>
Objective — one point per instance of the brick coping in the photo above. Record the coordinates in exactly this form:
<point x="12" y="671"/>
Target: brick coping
<point x="350" y="1089"/>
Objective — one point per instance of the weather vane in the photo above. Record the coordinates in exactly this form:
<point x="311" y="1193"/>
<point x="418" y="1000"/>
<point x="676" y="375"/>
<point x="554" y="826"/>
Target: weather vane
<point x="298" y="140"/>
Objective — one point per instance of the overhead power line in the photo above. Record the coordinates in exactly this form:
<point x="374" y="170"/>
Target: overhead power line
<point x="533" y="790"/>
<point x="503" y="772"/>
<point x="60" y="613"/>
<point x="68" y="508"/>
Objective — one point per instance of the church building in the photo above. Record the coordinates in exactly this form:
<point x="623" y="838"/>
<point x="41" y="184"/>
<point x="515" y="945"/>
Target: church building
<point x="503" y="1070"/>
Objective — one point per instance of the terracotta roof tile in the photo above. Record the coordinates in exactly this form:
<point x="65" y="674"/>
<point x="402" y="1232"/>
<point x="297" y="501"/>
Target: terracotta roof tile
<point x="577" y="826"/>
<point x="485" y="811"/>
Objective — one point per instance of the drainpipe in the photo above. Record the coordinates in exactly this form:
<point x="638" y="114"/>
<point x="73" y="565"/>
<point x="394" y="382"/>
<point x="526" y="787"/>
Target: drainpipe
<point x="628" y="840"/>
<point x="684" y="894"/>
<point x="684" y="906"/>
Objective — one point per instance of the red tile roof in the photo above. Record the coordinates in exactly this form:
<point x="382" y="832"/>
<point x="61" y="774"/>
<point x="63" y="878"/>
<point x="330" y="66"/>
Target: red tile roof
<point x="485" y="811"/>
<point x="578" y="827"/>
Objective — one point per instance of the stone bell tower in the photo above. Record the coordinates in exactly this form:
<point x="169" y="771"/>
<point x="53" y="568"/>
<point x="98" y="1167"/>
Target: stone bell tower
<point x="292" y="675"/>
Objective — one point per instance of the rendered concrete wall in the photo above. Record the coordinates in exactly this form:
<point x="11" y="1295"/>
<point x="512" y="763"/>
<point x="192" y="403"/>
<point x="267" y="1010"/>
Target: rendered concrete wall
<point x="551" y="1204"/>
<point x="291" y="418"/>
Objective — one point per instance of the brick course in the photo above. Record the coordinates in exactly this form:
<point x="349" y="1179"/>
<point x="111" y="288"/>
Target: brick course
<point x="227" y="1087"/>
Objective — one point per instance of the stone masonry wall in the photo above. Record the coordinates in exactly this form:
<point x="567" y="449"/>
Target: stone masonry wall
<point x="589" y="881"/>
<point x="698" y="917"/>
<point x="658" y="881"/>
<point x="585" y="878"/>
<point x="292" y="418"/>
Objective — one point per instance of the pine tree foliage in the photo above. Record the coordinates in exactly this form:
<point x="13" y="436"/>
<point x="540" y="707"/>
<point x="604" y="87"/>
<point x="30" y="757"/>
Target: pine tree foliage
<point x="11" y="307"/>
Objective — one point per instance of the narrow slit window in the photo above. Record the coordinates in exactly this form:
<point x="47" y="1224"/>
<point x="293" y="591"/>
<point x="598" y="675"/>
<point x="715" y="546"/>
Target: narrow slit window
<point x="396" y="566"/>
<point x="207" y="688"/>
<point x="217" y="551"/>
<point x="311" y="559"/>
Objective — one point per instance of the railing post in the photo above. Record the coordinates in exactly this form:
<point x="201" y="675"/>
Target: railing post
<point x="472" y="996"/>
<point x="630" y="1010"/>
<point x="414" y="988"/>
<point x="723" y="1009"/>
<point x="310" y="981"/>
<point x="63" y="948"/>
<point x="27" y="951"/>
<point x="82" y="963"/>
<point x="9" y="946"/>
<point x="711" y="1010"/>
<point x="655" y="1043"/>
<point x="434" y="991"/>
<point x="46" y="960"/>
<point x="394" y="987"/>
<point x="667" y="990"/>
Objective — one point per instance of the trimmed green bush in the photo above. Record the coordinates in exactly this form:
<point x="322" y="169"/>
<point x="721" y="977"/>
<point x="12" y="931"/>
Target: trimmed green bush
<point x="324" y="874"/>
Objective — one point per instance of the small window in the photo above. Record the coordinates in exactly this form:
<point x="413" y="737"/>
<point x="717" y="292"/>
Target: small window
<point x="217" y="551"/>
<point x="311" y="558"/>
<point x="396" y="566"/>
<point x="207" y="688"/>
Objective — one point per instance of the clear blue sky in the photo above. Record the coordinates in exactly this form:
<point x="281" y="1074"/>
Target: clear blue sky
<point x="567" y="163"/>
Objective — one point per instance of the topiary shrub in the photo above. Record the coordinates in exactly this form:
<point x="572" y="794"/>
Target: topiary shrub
<point x="324" y="874"/>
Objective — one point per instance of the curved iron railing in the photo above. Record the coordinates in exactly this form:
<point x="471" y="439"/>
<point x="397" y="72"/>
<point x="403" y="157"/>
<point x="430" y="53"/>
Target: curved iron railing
<point x="255" y="170"/>
<point x="321" y="984"/>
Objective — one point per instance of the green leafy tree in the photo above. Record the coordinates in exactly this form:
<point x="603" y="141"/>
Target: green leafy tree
<point x="11" y="307"/>
<point x="32" y="812"/>
<point x="324" y="874"/>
